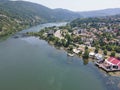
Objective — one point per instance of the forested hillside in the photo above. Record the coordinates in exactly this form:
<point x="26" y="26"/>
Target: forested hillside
<point x="98" y="13"/>
<point x="16" y="15"/>
<point x="95" y="21"/>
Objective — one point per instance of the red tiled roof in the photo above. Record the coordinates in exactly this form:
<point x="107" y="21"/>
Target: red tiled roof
<point x="114" y="61"/>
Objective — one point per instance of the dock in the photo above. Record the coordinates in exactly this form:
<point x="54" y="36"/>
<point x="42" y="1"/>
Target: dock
<point x="101" y="65"/>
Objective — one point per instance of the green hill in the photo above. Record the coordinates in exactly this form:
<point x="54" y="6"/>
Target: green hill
<point x="17" y="15"/>
<point x="95" y="21"/>
<point x="98" y="13"/>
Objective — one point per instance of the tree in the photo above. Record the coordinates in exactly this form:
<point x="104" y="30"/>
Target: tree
<point x="80" y="53"/>
<point x="59" y="43"/>
<point x="96" y="50"/>
<point x="86" y="47"/>
<point x="113" y="54"/>
<point x="64" y="42"/>
<point x="117" y="49"/>
<point x="70" y="47"/>
<point x="105" y="52"/>
<point x="86" y="54"/>
<point x="103" y="47"/>
<point x="1" y="27"/>
<point x="69" y="39"/>
<point x="109" y="48"/>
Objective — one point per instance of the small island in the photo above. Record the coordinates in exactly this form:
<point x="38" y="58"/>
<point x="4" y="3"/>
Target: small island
<point x="97" y="38"/>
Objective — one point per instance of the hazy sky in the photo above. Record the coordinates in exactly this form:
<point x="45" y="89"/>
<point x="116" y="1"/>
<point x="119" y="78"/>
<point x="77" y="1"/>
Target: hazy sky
<point x="79" y="5"/>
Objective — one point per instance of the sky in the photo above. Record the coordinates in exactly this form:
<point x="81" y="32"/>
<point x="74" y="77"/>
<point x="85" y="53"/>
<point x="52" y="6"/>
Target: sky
<point x="79" y="5"/>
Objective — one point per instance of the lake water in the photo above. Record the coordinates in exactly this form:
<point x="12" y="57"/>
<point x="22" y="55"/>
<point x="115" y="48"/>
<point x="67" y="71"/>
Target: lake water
<point x="27" y="63"/>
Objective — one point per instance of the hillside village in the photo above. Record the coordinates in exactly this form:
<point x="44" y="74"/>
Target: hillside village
<point x="98" y="37"/>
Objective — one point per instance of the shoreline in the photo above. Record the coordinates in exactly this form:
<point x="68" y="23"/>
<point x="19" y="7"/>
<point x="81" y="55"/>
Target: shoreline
<point x="115" y="74"/>
<point x="61" y="38"/>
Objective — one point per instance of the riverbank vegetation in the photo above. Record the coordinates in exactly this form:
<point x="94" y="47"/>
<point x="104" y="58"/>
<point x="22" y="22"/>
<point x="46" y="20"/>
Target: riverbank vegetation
<point x="100" y="35"/>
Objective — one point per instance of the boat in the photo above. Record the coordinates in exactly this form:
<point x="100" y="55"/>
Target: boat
<point x="70" y="54"/>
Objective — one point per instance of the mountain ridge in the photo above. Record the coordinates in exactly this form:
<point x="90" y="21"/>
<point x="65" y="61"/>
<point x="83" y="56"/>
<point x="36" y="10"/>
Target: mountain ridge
<point x="17" y="15"/>
<point x="103" y="12"/>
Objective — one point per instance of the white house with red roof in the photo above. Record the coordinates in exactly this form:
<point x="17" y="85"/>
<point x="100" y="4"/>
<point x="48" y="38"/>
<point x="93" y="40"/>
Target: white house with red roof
<point x="110" y="64"/>
<point x="113" y="62"/>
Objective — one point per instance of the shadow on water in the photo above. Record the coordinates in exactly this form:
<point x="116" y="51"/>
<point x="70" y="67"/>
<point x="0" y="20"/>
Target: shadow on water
<point x="85" y="61"/>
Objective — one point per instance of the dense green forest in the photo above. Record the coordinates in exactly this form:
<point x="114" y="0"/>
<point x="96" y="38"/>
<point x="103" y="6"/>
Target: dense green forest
<point x="14" y="17"/>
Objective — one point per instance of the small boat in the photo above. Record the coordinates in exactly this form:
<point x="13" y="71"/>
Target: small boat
<point x="70" y="54"/>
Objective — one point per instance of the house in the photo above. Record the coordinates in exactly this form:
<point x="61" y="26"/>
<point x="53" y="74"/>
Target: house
<point x="87" y="43"/>
<point x="81" y="49"/>
<point x="110" y="64"/>
<point x="79" y="32"/>
<point x="45" y="34"/>
<point x="76" y="51"/>
<point x="50" y="32"/>
<point x="91" y="54"/>
<point x="58" y="34"/>
<point x="75" y="32"/>
<point x="113" y="63"/>
<point x="99" y="56"/>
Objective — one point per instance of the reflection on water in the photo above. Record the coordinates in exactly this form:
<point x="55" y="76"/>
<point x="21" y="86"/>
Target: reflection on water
<point x="85" y="61"/>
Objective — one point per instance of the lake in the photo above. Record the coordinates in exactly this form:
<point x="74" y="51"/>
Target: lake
<point x="28" y="63"/>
